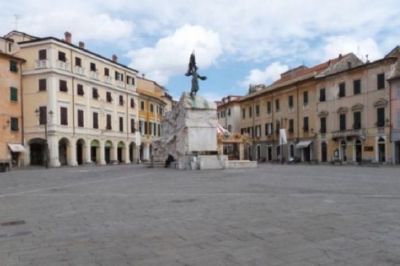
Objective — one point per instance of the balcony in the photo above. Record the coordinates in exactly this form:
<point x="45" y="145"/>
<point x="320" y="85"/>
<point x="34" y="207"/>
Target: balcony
<point x="41" y="64"/>
<point x="94" y="75"/>
<point x="349" y="133"/>
<point x="62" y="65"/>
<point x="79" y="70"/>
<point x="120" y="84"/>
<point x="131" y="87"/>
<point x="108" y="79"/>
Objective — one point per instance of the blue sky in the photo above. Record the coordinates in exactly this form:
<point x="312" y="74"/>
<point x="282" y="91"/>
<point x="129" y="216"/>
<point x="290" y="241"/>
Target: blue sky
<point x="237" y="43"/>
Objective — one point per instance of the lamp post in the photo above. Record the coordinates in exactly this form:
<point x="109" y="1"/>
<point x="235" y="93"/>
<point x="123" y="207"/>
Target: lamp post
<point x="46" y="144"/>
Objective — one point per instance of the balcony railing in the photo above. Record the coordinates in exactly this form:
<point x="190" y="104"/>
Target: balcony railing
<point x="62" y="65"/>
<point x="40" y="64"/>
<point x="94" y="75"/>
<point x="348" y="133"/>
<point x="120" y="84"/>
<point x="108" y="79"/>
<point x="79" y="70"/>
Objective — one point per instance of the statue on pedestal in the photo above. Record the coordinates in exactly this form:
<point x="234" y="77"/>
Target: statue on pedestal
<point x="192" y="71"/>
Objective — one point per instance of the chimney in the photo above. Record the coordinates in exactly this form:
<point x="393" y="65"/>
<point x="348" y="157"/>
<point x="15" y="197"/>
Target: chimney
<point x="68" y="37"/>
<point x="114" y="58"/>
<point x="81" y="45"/>
<point x="340" y="56"/>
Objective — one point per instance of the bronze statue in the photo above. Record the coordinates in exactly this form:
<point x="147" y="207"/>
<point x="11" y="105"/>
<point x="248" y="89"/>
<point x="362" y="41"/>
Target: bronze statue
<point x="192" y="71"/>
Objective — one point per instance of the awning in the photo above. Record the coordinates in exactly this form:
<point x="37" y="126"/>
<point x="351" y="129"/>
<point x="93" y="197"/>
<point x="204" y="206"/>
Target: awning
<point x="16" y="147"/>
<point x="303" y="144"/>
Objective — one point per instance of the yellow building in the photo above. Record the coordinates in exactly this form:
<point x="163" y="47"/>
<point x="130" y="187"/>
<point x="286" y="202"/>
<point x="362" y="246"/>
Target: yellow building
<point x="153" y="103"/>
<point x="285" y="109"/>
<point x="11" y="124"/>
<point x="354" y="111"/>
<point x="79" y="107"/>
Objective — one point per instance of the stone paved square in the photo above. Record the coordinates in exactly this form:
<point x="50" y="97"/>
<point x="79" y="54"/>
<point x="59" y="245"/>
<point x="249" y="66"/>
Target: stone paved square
<point x="131" y="215"/>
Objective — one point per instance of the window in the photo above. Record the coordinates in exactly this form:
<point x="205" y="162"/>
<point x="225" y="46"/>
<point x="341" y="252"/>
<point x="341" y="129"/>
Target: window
<point x="357" y="120"/>
<point x="305" y="124"/>
<point x="142" y="105"/>
<point x="151" y="108"/>
<point x="121" y="100"/>
<point x="269" y="107"/>
<point x="14" y="124"/>
<point x="42" y="84"/>
<point x="380" y="113"/>
<point x="243" y="113"/>
<point x="155" y="129"/>
<point x="322" y="121"/>
<point x="305" y="98"/>
<point x="95" y="93"/>
<point x="63" y="86"/>
<point x="290" y="101"/>
<point x="121" y="124"/>
<point x="116" y="75"/>
<point x="357" y="87"/>
<point x="133" y="129"/>
<point x="42" y="115"/>
<point x="108" y="122"/>
<point x="278" y="126"/>
<point x="250" y="111"/>
<point x="141" y="127"/>
<point x="277" y="105"/>
<point x="150" y="128"/>
<point x="132" y="103"/>
<point x="229" y="111"/>
<point x="13" y="66"/>
<point x="64" y="116"/>
<point x="95" y="120"/>
<point x="342" y="90"/>
<point x="13" y="94"/>
<point x="257" y="110"/>
<point x="42" y="54"/>
<point x="80" y="90"/>
<point x="80" y="118"/>
<point x="61" y="57"/>
<point x="78" y="61"/>
<point x="381" y="81"/>
<point x="322" y="96"/>
<point x="106" y="72"/>
<point x="93" y="67"/>
<point x="121" y="77"/>
<point x="159" y="130"/>
<point x="342" y="122"/>
<point x="109" y="97"/>
<point x="145" y="128"/>
<point x="291" y="126"/>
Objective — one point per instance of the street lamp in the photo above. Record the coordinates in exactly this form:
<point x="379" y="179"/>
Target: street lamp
<point x="46" y="147"/>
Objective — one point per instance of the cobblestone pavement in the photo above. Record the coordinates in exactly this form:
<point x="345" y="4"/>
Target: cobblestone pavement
<point x="130" y="215"/>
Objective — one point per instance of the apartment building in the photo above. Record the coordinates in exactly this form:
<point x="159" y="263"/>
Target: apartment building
<point x="280" y="118"/>
<point x="394" y="84"/>
<point x="354" y="112"/>
<point x="79" y="107"/>
<point x="228" y="113"/>
<point x="11" y="124"/>
<point x="153" y="102"/>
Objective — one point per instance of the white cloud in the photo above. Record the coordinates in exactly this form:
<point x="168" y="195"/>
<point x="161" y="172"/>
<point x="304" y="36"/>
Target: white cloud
<point x="265" y="76"/>
<point x="170" y="55"/>
<point x="347" y="44"/>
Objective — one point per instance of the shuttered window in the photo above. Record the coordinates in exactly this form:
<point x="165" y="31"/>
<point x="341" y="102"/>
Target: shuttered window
<point x="13" y="94"/>
<point x="81" y="122"/>
<point x="64" y="116"/>
<point x="42" y="84"/>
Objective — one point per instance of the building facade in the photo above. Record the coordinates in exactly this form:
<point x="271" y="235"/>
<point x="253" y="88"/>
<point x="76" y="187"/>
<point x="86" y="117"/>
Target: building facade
<point x="11" y="122"/>
<point x="229" y="113"/>
<point x="354" y="112"/>
<point x="152" y="104"/>
<point x="79" y="107"/>
<point x="394" y="83"/>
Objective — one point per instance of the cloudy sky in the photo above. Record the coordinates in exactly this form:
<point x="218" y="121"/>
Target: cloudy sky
<point x="237" y="43"/>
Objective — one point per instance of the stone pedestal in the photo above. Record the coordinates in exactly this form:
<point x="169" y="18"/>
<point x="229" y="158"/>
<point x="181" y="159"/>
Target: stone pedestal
<point x="190" y="135"/>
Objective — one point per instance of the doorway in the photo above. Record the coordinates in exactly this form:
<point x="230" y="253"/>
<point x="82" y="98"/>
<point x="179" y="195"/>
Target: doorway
<point x="358" y="149"/>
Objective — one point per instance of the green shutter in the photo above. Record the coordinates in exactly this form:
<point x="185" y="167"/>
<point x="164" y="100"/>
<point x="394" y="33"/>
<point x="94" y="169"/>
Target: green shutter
<point x="13" y="94"/>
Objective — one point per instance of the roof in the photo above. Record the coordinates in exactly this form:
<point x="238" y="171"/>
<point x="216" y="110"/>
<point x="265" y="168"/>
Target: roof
<point x="228" y="100"/>
<point x="9" y="56"/>
<point x="21" y="33"/>
<point x="294" y="76"/>
<point x="77" y="47"/>
<point x="395" y="52"/>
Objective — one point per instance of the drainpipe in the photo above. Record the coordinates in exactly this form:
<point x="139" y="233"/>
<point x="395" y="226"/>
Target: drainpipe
<point x="22" y="107"/>
<point x="73" y="97"/>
